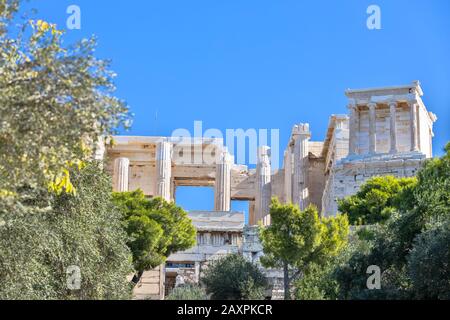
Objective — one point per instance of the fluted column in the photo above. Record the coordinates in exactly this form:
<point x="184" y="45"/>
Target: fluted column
<point x="414" y="126"/>
<point x="301" y="135"/>
<point x="288" y="175"/>
<point x="353" y="127"/>
<point x="163" y="169"/>
<point x="263" y="185"/>
<point x="393" y="111"/>
<point x="222" y="186"/>
<point x="121" y="169"/>
<point x="372" y="128"/>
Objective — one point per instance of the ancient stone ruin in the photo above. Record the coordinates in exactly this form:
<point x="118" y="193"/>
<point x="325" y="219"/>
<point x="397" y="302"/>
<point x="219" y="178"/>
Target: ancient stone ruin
<point x="388" y="132"/>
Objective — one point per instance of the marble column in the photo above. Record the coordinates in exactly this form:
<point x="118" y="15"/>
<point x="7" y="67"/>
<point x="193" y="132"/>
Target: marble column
<point x="164" y="169"/>
<point x="263" y="186"/>
<point x="393" y="113"/>
<point x="121" y="169"/>
<point x="372" y="128"/>
<point x="301" y="135"/>
<point x="222" y="186"/>
<point x="288" y="175"/>
<point x="414" y="126"/>
<point x="353" y="127"/>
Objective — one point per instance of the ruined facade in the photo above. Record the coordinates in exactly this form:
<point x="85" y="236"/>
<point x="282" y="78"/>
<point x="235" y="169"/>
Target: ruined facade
<point x="218" y="235"/>
<point x="387" y="131"/>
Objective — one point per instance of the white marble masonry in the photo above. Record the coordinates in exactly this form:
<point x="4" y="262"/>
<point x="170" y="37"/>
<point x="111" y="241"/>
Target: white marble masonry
<point x="222" y="195"/>
<point x="120" y="177"/>
<point x="301" y="136"/>
<point x="263" y="192"/>
<point x="164" y="169"/>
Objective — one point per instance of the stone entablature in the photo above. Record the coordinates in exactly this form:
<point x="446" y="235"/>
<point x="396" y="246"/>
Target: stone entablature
<point x="158" y="165"/>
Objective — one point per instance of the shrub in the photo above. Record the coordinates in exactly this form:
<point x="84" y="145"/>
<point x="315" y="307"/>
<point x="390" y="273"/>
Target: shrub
<point x="188" y="292"/>
<point x="234" y="278"/>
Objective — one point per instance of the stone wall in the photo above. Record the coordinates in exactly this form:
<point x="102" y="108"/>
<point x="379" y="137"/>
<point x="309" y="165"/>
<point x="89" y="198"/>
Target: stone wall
<point x="151" y="285"/>
<point x="316" y="181"/>
<point x="347" y="176"/>
<point x="278" y="184"/>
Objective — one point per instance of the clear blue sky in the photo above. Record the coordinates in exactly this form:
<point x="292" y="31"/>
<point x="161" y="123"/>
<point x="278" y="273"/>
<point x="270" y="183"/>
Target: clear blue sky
<point x="261" y="63"/>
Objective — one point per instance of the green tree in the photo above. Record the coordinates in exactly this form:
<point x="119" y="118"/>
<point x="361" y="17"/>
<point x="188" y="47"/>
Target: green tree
<point x="42" y="235"/>
<point x="56" y="102"/>
<point x="156" y="229"/>
<point x="428" y="263"/>
<point x="297" y="240"/>
<point x="320" y="282"/>
<point x="410" y="247"/>
<point x="234" y="278"/>
<point x="377" y="199"/>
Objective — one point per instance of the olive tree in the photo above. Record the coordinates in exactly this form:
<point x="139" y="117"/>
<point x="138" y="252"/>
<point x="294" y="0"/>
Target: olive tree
<point x="43" y="236"/>
<point x="56" y="102"/>
<point x="56" y="211"/>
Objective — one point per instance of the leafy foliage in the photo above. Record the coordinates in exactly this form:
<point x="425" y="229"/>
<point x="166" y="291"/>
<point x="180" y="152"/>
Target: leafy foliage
<point x="7" y="10"/>
<point x="297" y="240"/>
<point x="320" y="282"/>
<point x="156" y="228"/>
<point x="429" y="264"/>
<point x="41" y="235"/>
<point x="412" y="247"/>
<point x="317" y="284"/>
<point x="187" y="292"/>
<point x="376" y="200"/>
<point x="55" y="104"/>
<point x="234" y="278"/>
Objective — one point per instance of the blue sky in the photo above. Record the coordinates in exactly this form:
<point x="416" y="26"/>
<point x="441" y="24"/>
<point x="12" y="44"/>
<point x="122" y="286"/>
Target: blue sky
<point x="261" y="64"/>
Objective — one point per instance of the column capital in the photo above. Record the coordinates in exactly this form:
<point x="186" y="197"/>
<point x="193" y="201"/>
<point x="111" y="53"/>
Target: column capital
<point x="301" y="129"/>
<point x="224" y="157"/>
<point x="125" y="159"/>
<point x="167" y="147"/>
<point x="393" y="104"/>
<point x="372" y="105"/>
<point x="264" y="154"/>
<point x="352" y="104"/>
